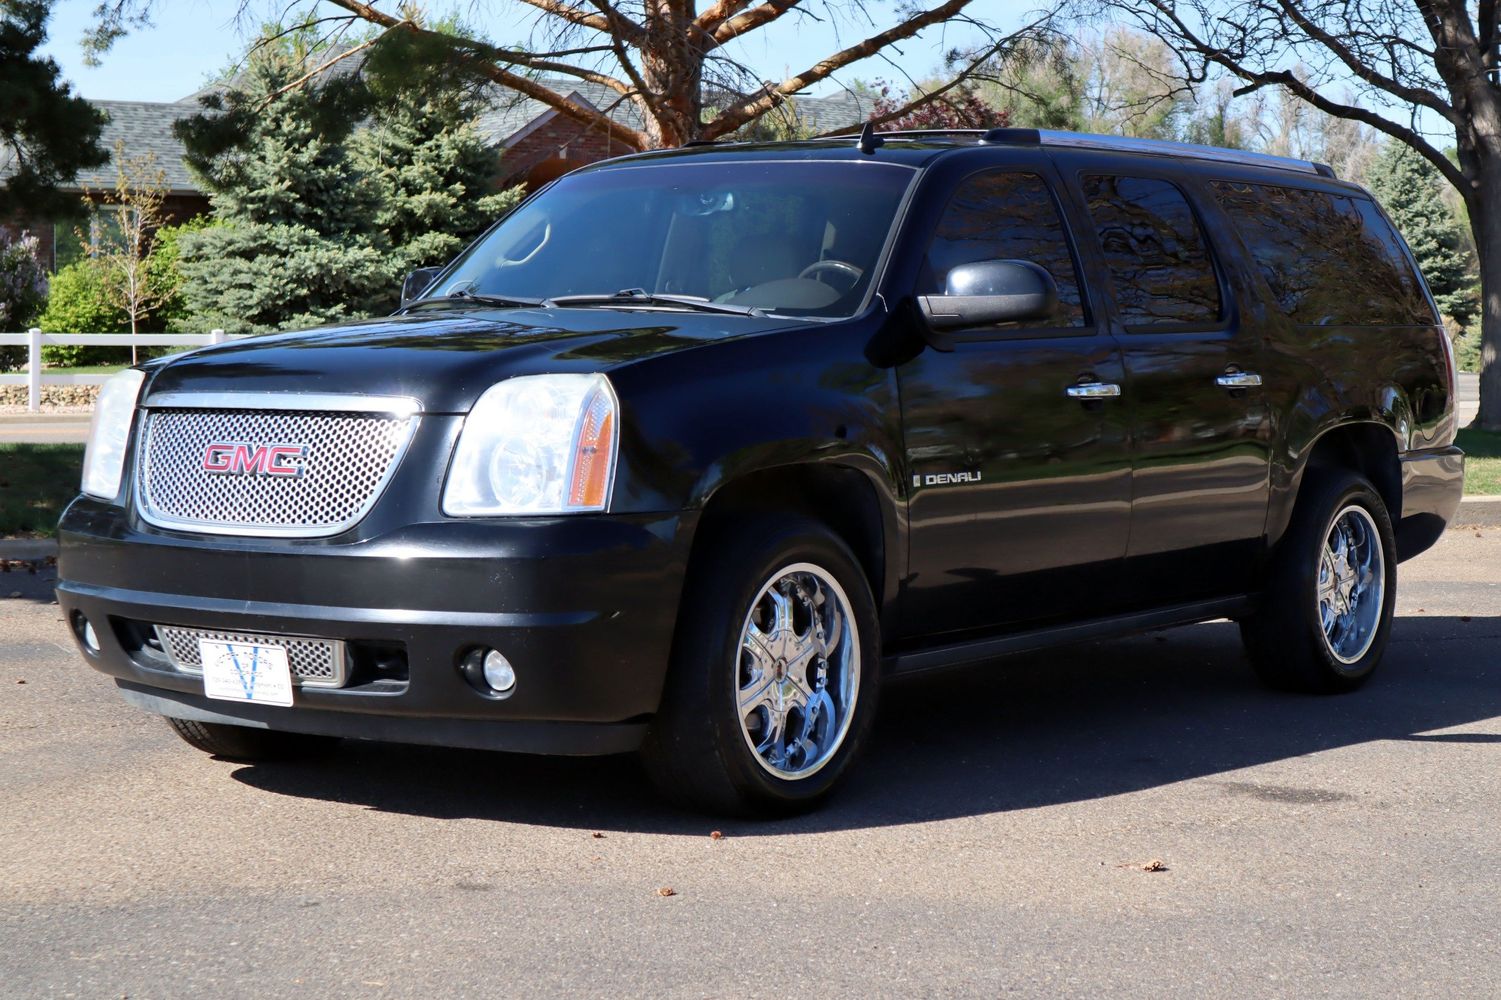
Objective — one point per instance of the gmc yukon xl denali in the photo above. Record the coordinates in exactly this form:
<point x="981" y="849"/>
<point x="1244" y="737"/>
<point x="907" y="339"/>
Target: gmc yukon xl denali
<point x="695" y="448"/>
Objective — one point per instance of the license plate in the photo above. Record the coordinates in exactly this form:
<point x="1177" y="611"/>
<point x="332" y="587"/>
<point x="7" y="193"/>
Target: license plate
<point x="244" y="671"/>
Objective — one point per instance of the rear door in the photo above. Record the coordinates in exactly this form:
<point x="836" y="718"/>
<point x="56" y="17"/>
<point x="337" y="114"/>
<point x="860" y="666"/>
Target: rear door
<point x="1200" y="423"/>
<point x="1020" y="490"/>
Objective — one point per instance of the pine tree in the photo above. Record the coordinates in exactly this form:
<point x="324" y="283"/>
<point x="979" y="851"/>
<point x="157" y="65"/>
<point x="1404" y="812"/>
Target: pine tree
<point x="47" y="133"/>
<point x="1409" y="189"/>
<point x="433" y="177"/>
<point x="297" y="243"/>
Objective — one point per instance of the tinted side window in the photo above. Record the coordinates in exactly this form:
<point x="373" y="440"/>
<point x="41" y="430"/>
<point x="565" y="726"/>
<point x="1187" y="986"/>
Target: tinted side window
<point x="1005" y="216"/>
<point x="1158" y="258"/>
<point x="1329" y="260"/>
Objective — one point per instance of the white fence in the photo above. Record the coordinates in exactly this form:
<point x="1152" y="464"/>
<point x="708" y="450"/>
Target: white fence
<point x="34" y="339"/>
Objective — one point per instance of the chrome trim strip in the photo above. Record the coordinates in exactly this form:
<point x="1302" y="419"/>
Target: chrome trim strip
<point x="1167" y="147"/>
<point x="338" y="650"/>
<point x="254" y="531"/>
<point x="333" y="402"/>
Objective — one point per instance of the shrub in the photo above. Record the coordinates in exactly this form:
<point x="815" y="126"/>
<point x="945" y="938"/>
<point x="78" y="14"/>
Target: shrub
<point x="23" y="291"/>
<point x="79" y="304"/>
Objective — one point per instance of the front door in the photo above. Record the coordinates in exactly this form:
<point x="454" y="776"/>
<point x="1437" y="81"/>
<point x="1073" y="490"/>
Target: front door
<point x="1202" y="428"/>
<point x="1017" y="449"/>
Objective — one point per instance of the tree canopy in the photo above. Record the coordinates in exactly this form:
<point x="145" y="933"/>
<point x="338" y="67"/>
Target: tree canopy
<point x="47" y="133"/>
<point x="1410" y="190"/>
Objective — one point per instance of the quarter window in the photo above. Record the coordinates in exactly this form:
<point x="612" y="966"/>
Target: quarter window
<point x="1005" y="216"/>
<point x="1329" y="260"/>
<point x="1159" y="263"/>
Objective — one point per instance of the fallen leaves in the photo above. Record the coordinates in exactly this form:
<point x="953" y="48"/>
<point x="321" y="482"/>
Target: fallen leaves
<point x="716" y="835"/>
<point x="1155" y="865"/>
<point x="667" y="890"/>
<point x="597" y="835"/>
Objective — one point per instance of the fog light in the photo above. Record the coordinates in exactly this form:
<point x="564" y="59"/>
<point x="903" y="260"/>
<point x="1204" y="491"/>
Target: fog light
<point x="498" y="672"/>
<point x="84" y="629"/>
<point x="488" y="670"/>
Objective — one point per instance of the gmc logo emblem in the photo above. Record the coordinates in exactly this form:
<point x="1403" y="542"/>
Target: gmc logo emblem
<point x="235" y="458"/>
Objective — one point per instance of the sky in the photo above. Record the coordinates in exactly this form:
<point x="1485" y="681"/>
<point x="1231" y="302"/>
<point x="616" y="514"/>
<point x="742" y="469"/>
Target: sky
<point x="190" y="41"/>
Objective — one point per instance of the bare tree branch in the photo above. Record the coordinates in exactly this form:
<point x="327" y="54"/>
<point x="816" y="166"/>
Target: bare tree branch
<point x="1413" y="95"/>
<point x="752" y="107"/>
<point x="565" y="106"/>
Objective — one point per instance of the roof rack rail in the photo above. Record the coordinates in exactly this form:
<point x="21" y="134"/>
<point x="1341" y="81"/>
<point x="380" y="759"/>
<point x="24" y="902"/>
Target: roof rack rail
<point x="1156" y="147"/>
<point x="869" y="138"/>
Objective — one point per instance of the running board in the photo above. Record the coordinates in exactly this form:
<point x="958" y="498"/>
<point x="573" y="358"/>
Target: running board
<point x="921" y="661"/>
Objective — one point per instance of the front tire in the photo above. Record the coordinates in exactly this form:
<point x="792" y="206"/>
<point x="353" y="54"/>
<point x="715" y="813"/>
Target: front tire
<point x="774" y="673"/>
<point x="242" y="743"/>
<point x="1325" y="616"/>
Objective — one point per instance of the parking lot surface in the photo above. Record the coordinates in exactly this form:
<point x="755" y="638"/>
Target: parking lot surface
<point x="995" y="840"/>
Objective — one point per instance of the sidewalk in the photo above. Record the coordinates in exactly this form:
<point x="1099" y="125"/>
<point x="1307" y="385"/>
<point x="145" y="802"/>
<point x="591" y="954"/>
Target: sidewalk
<point x="44" y="428"/>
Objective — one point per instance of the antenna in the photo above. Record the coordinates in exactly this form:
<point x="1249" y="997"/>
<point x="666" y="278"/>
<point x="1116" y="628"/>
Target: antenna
<point x="869" y="140"/>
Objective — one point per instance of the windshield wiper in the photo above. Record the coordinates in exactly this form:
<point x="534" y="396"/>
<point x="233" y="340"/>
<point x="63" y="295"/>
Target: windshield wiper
<point x="641" y="297"/>
<point x="466" y="296"/>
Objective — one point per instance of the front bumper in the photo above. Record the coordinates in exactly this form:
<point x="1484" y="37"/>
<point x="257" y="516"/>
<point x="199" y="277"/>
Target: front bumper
<point x="1432" y="486"/>
<point x="584" y="607"/>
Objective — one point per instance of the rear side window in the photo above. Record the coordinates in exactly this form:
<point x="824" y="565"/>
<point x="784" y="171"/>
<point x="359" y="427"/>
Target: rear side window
<point x="1328" y="259"/>
<point x="1160" y="268"/>
<point x="1005" y="216"/>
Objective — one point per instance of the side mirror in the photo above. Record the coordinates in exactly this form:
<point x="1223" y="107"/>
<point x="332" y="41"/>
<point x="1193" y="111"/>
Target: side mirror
<point x="991" y="291"/>
<point x="418" y="282"/>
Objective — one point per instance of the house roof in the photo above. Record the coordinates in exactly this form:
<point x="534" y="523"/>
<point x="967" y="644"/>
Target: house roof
<point x="509" y="112"/>
<point x="144" y="127"/>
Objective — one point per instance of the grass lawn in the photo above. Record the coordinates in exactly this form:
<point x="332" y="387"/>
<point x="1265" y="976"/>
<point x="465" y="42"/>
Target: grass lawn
<point x="1482" y="462"/>
<point x="86" y="370"/>
<point x="36" y="483"/>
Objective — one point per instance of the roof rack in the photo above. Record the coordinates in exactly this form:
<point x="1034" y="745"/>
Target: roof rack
<point x="1086" y="140"/>
<point x="1158" y="147"/>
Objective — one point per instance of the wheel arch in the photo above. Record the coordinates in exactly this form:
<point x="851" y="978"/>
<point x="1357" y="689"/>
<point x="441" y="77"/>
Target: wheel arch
<point x="843" y="496"/>
<point x="1367" y="447"/>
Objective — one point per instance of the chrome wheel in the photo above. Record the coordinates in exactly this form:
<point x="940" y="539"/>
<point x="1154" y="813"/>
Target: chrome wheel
<point x="1351" y="584"/>
<point x="799" y="671"/>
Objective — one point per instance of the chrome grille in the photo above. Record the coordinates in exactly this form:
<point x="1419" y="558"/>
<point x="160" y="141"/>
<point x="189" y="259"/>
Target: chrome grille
<point x="349" y="457"/>
<point x="314" y="662"/>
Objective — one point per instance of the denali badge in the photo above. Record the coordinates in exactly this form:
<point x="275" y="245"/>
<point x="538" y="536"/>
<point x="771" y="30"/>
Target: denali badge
<point x="945" y="478"/>
<point x="234" y="458"/>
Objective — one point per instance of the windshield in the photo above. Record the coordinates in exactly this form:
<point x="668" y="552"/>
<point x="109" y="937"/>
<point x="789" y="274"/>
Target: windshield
<point x="799" y="239"/>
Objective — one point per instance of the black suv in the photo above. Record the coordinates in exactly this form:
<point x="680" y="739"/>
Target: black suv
<point x="695" y="447"/>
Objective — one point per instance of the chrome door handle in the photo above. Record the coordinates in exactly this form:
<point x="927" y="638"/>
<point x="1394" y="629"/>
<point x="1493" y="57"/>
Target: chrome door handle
<point x="1094" y="390"/>
<point x="1238" y="380"/>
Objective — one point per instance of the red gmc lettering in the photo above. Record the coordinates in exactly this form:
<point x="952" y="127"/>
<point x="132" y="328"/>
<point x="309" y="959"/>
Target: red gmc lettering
<point x="234" y="458"/>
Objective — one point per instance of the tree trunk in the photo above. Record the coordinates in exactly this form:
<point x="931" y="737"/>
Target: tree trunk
<point x="1486" y="223"/>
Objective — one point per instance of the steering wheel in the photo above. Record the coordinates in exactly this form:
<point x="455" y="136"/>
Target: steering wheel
<point x="839" y="267"/>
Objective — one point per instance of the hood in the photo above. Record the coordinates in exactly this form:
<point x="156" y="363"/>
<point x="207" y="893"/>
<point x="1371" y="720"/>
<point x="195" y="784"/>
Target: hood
<point x="446" y="358"/>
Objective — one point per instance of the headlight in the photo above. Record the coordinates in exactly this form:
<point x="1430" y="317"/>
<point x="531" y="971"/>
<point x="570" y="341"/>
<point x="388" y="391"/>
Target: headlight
<point x="536" y="444"/>
<point x="109" y="434"/>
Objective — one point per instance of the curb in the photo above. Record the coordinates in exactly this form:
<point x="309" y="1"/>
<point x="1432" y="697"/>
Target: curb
<point x="27" y="549"/>
<point x="1478" y="512"/>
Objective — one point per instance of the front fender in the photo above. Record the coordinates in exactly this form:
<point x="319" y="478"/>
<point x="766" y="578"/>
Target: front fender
<point x="696" y="421"/>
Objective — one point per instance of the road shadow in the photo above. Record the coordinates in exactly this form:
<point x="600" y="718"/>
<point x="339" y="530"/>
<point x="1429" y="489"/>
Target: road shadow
<point x="31" y="581"/>
<point x="1062" y="726"/>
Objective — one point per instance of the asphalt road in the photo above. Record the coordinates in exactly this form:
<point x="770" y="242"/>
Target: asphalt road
<point x="991" y="843"/>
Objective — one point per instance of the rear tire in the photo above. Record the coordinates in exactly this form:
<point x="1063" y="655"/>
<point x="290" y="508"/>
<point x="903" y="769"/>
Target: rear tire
<point x="774" y="673"/>
<point x="1325" y="615"/>
<point x="249" y="745"/>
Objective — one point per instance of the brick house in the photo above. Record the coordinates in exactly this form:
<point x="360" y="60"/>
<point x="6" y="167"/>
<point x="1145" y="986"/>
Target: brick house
<point x="144" y="127"/>
<point x="535" y="144"/>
